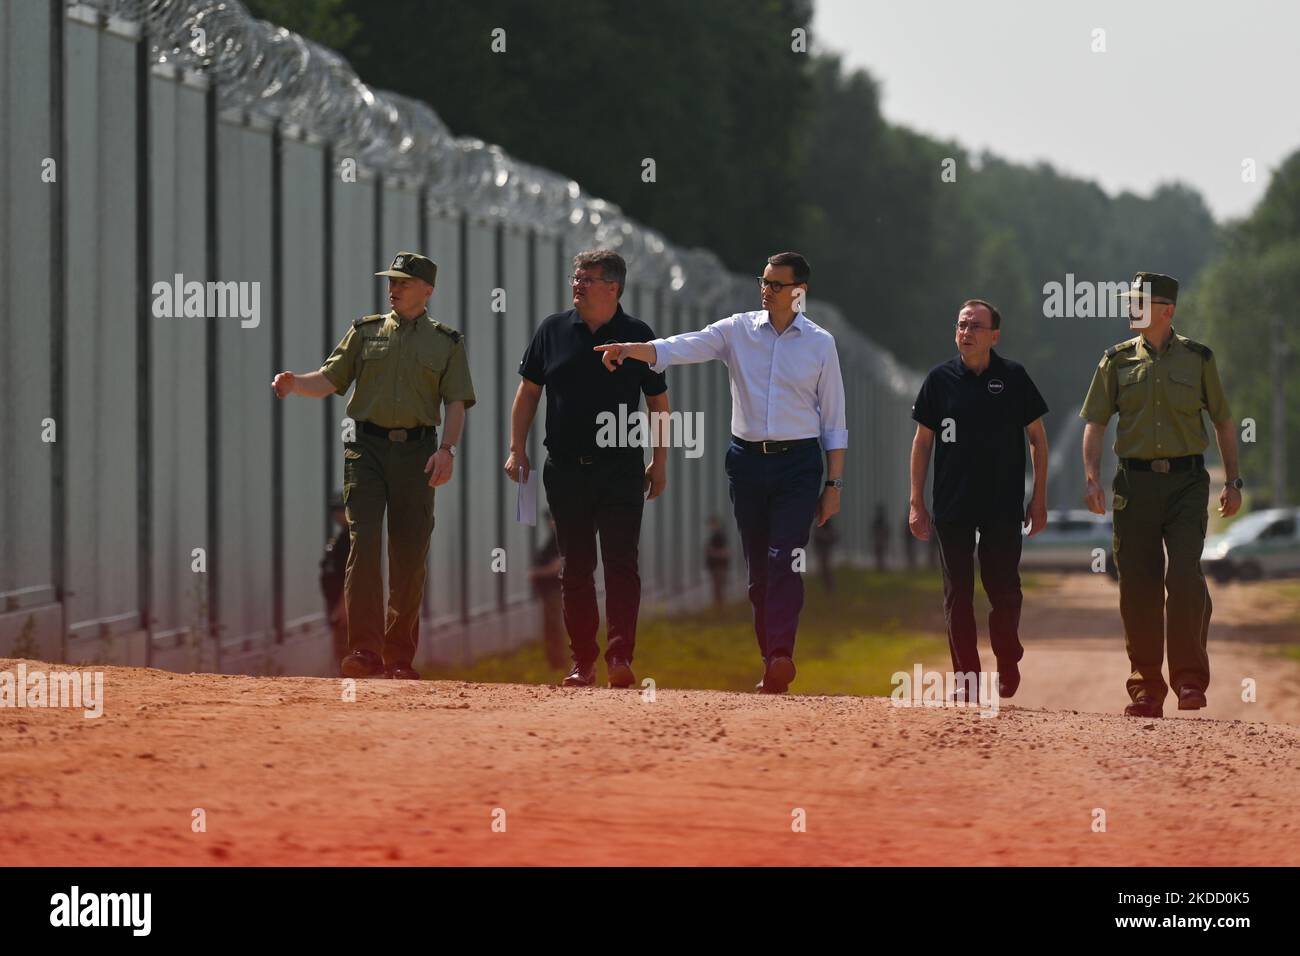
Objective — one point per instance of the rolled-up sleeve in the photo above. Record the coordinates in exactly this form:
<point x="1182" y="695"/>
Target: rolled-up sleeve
<point x="830" y="402"/>
<point x="689" y="348"/>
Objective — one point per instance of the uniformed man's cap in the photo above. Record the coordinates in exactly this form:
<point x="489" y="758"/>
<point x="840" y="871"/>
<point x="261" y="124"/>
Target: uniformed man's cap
<point x="412" y="265"/>
<point x="1162" y="286"/>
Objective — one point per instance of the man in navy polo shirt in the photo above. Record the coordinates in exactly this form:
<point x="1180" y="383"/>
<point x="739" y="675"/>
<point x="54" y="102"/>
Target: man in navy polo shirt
<point x="980" y="405"/>
<point x="592" y="490"/>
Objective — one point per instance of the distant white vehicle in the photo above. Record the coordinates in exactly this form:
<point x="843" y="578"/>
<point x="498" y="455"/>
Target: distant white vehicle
<point x="1069" y="542"/>
<point x="1256" y="545"/>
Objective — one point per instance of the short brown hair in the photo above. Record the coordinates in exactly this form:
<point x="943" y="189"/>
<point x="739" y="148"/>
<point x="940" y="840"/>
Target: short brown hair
<point x="610" y="263"/>
<point x="798" y="263"/>
<point x="994" y="314"/>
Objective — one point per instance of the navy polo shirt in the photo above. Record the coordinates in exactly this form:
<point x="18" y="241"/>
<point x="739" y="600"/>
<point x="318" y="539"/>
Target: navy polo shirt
<point x="562" y="358"/>
<point x="980" y="475"/>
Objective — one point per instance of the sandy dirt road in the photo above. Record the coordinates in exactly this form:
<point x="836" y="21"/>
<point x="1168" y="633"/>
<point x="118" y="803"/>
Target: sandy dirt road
<point x="411" y="773"/>
<point x="1074" y="651"/>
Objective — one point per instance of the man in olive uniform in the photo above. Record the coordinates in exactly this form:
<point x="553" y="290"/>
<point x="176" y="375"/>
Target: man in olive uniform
<point x="1159" y="382"/>
<point x="406" y="367"/>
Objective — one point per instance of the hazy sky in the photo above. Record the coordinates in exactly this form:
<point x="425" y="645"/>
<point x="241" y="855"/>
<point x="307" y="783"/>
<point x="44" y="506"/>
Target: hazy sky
<point x="1185" y="90"/>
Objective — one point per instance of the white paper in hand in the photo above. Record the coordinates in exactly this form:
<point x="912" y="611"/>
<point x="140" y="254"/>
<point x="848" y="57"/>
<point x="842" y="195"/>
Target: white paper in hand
<point x="526" y="503"/>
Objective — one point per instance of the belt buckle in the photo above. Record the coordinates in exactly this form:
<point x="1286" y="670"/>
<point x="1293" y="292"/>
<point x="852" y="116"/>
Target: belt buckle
<point x="765" y="451"/>
<point x="1161" y="465"/>
<point x="397" y="434"/>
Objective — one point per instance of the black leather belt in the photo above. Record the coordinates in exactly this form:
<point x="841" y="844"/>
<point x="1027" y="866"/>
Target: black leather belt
<point x="1164" y="465"/>
<point x="774" y="447"/>
<point x="398" y="434"/>
<point x="560" y="458"/>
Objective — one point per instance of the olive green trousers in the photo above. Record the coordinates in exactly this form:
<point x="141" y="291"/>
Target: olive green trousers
<point x="380" y="475"/>
<point x="1157" y="513"/>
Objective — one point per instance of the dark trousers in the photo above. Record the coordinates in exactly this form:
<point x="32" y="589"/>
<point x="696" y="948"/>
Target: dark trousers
<point x="999" y="555"/>
<point x="774" y="498"/>
<point x="605" y="498"/>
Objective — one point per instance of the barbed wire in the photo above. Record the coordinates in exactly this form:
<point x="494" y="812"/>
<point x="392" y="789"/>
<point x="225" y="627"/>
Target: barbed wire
<point x="258" y="67"/>
<point x="267" y="70"/>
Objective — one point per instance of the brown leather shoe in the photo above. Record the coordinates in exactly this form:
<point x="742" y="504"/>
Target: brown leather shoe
<point x="1144" y="707"/>
<point x="1190" y="698"/>
<point x="403" y="672"/>
<point x="360" y="664"/>
<point x="620" y="673"/>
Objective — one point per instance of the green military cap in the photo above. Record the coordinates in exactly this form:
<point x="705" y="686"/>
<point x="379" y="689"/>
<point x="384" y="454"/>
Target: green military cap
<point x="412" y="265"/>
<point x="1162" y="287"/>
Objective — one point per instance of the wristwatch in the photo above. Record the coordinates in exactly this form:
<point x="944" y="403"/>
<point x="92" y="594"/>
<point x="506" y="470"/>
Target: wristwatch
<point x="451" y="449"/>
<point x="1235" y="483"/>
<point x="836" y="483"/>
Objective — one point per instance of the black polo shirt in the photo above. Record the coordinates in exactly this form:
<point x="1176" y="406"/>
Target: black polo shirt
<point x="980" y="475"/>
<point x="563" y="359"/>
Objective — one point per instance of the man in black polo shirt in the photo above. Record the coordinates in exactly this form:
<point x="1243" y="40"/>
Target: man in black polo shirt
<point x="592" y="490"/>
<point x="980" y="405"/>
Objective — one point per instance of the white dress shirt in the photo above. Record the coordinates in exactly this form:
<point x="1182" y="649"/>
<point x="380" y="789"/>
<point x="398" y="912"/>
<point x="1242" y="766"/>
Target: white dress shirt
<point x="783" y="387"/>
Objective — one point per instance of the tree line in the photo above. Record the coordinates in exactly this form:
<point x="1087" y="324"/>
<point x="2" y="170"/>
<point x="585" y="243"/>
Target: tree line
<point x="759" y="147"/>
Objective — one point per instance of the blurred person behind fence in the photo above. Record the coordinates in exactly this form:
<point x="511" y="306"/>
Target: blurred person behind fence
<point x="909" y="549"/>
<point x="880" y="536"/>
<point x="824" y="539"/>
<point x="717" y="558"/>
<point x="333" y="571"/>
<point x="545" y="577"/>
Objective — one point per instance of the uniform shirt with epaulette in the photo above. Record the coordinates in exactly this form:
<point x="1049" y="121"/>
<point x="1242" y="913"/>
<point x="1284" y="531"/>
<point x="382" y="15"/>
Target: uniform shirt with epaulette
<point x="1159" y="397"/>
<point x="404" y="370"/>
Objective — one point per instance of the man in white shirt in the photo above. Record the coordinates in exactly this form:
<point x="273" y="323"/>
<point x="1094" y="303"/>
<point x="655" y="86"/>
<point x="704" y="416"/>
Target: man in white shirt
<point x="787" y="400"/>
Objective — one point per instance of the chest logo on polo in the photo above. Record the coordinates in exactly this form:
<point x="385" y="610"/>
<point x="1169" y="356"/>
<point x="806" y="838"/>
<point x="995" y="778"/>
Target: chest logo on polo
<point x="996" y="386"/>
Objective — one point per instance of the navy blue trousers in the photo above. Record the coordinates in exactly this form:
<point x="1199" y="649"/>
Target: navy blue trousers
<point x="774" y="498"/>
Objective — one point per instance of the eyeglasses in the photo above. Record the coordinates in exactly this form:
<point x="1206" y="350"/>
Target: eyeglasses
<point x="776" y="287"/>
<point x="964" y="326"/>
<point x="587" y="280"/>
